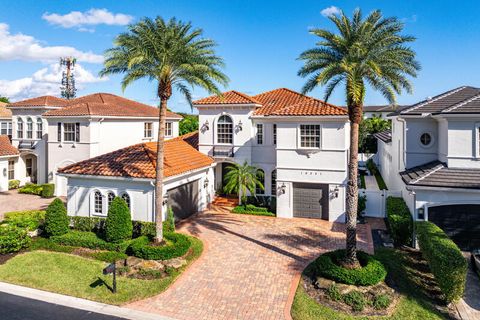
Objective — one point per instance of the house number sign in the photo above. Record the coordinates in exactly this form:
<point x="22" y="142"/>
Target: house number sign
<point x="310" y="173"/>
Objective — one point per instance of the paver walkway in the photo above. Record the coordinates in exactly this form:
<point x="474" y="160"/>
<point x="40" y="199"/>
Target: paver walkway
<point x="469" y="306"/>
<point x="14" y="201"/>
<point x="371" y="183"/>
<point x="250" y="267"/>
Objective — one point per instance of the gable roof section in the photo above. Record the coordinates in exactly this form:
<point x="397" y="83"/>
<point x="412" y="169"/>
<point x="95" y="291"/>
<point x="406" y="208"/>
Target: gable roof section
<point x="106" y="104"/>
<point x="5" y="113"/>
<point x="229" y="97"/>
<point x="437" y="174"/>
<point x="42" y="101"/>
<point x="6" y="148"/>
<point x="139" y="161"/>
<point x="385" y="136"/>
<point x="444" y="102"/>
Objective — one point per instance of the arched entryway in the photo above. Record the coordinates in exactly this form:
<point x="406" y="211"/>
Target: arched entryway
<point x="220" y="172"/>
<point x="31" y="167"/>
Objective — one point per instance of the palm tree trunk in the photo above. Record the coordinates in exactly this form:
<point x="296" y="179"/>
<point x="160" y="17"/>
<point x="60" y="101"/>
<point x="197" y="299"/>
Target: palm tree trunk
<point x="351" y="261"/>
<point x="159" y="172"/>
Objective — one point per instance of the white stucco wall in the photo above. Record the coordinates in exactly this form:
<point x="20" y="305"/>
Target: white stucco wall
<point x="416" y="153"/>
<point x="463" y="143"/>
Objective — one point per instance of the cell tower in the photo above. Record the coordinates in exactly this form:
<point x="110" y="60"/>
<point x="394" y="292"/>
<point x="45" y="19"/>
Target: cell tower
<point x="68" y="78"/>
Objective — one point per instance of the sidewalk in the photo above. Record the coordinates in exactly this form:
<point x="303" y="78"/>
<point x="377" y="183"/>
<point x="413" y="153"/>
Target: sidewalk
<point x="78" y="303"/>
<point x="469" y="306"/>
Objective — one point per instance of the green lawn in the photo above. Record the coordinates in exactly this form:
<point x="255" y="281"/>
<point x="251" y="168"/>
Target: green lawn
<point x="414" y="304"/>
<point x="81" y="277"/>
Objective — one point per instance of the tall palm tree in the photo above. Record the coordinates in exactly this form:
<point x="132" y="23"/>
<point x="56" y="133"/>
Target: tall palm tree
<point x="241" y="178"/>
<point x="174" y="56"/>
<point x="360" y="52"/>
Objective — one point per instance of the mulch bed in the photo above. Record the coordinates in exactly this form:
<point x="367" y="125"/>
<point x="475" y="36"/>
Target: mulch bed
<point x="7" y="256"/>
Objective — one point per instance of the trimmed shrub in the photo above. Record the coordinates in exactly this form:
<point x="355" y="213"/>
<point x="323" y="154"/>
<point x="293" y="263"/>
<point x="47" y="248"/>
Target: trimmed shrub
<point x="445" y="259"/>
<point x="399" y="221"/>
<point x="109" y="256"/>
<point x="254" y="210"/>
<point x="30" y="220"/>
<point x="56" y="219"/>
<point x="142" y="228"/>
<point x="89" y="240"/>
<point x="178" y="246"/>
<point x="48" y="190"/>
<point x="13" y="239"/>
<point x="328" y="266"/>
<point x="31" y="188"/>
<point x="169" y="223"/>
<point x="334" y="293"/>
<point x="118" y="225"/>
<point x="355" y="299"/>
<point x="381" y="301"/>
<point x="13" y="184"/>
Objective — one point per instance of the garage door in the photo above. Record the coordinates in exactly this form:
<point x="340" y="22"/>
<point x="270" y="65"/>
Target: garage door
<point x="460" y="222"/>
<point x="310" y="201"/>
<point x="184" y="200"/>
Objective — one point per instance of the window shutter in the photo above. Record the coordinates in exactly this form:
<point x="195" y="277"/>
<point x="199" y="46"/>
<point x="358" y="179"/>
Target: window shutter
<point x="59" y="132"/>
<point x="77" y="132"/>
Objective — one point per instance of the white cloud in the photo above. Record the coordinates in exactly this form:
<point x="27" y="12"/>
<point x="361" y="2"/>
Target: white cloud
<point x="330" y="11"/>
<point x="24" y="47"/>
<point x="45" y="81"/>
<point x="87" y="18"/>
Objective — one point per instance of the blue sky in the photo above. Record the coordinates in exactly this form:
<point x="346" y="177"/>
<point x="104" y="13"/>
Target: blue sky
<point x="259" y="40"/>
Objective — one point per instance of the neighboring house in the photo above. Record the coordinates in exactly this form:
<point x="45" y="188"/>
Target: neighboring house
<point x="381" y="111"/>
<point x="51" y="132"/>
<point x="432" y="155"/>
<point x="5" y="121"/>
<point x="8" y="160"/>
<point x="300" y="143"/>
<point x="130" y="173"/>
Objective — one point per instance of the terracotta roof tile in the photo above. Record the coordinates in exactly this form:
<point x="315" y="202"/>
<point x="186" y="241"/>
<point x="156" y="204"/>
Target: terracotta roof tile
<point x="42" y="101"/>
<point x="106" y="104"/>
<point x="6" y="148"/>
<point x="5" y="113"/>
<point x="229" y="97"/>
<point x="138" y="161"/>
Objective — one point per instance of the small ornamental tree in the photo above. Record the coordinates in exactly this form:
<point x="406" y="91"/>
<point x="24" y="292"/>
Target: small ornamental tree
<point x="118" y="225"/>
<point x="56" y="219"/>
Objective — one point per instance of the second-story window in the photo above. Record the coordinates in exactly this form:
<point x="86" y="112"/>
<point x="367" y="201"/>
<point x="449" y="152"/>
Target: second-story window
<point x="275" y="134"/>
<point x="71" y="132"/>
<point x="310" y="136"/>
<point x="225" y="130"/>
<point x="168" y="129"/>
<point x="29" y="128"/>
<point x="259" y="133"/>
<point x="6" y="129"/>
<point x="39" y="128"/>
<point x="20" y="129"/>
<point x="148" y="130"/>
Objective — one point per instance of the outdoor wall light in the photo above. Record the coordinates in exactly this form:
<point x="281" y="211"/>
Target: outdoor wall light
<point x="165" y="199"/>
<point x="205" y="183"/>
<point x="240" y="125"/>
<point x="283" y="188"/>
<point x="335" y="191"/>
<point x="206" y="126"/>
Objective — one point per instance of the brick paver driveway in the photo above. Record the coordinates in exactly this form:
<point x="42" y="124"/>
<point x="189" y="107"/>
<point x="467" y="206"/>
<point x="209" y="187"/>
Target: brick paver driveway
<point x="14" y="201"/>
<point x="250" y="266"/>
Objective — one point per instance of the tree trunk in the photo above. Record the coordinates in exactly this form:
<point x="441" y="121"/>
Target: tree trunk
<point x="351" y="261"/>
<point x="159" y="172"/>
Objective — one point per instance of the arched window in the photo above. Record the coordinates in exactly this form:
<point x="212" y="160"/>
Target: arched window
<point x="225" y="130"/>
<point x="29" y="128"/>
<point x="97" y="202"/>
<point x="274" y="183"/>
<point x="39" y="128"/>
<point x="110" y="197"/>
<point x="19" y="128"/>
<point x="261" y="178"/>
<point x="126" y="197"/>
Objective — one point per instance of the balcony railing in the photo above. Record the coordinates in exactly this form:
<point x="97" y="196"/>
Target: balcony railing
<point x="223" y="152"/>
<point x="26" y="144"/>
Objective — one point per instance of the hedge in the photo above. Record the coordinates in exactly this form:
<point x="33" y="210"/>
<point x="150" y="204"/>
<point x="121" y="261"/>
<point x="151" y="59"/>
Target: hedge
<point x="13" y="184"/>
<point x="399" y="221"/>
<point x="328" y="266"/>
<point x="56" y="219"/>
<point x="251" y="209"/>
<point x="178" y="246"/>
<point x="30" y="219"/>
<point x="48" y="190"/>
<point x="31" y="188"/>
<point x="13" y="239"/>
<point x="109" y="256"/>
<point x="89" y="240"/>
<point x="118" y="226"/>
<point x="445" y="259"/>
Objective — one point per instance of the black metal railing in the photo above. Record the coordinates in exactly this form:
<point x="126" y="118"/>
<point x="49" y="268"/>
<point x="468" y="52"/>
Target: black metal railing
<point x="25" y="144"/>
<point x="223" y="151"/>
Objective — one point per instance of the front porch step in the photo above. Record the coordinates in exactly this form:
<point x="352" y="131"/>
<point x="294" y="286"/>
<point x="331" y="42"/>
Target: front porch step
<point x="225" y="201"/>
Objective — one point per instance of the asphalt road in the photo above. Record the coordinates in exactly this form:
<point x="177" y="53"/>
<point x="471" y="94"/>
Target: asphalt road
<point x="18" y="308"/>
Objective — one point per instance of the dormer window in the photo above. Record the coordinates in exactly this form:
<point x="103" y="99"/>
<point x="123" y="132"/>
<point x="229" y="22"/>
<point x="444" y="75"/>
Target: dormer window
<point x="225" y="130"/>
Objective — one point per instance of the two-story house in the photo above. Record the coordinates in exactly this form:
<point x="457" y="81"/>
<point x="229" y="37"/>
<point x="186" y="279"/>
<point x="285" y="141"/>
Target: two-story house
<point x="298" y="142"/>
<point x="51" y="132"/>
<point x="432" y="155"/>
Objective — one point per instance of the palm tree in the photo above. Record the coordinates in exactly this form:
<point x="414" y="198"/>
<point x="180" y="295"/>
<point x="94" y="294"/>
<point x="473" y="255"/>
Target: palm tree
<point x="361" y="52"/>
<point x="241" y="178"/>
<point x="174" y="56"/>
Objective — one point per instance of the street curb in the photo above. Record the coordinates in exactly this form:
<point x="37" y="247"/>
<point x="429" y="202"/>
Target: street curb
<point x="78" y="303"/>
